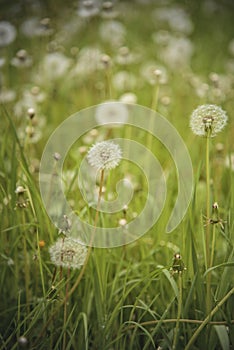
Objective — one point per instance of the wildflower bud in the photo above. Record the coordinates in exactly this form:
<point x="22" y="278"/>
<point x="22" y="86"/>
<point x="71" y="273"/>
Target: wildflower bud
<point x="125" y="208"/>
<point x="57" y="156"/>
<point x="107" y="5"/>
<point x="157" y="73"/>
<point x="21" y="54"/>
<point x="165" y="100"/>
<point x="178" y="264"/>
<point x="124" y="51"/>
<point x="31" y="113"/>
<point x="41" y="243"/>
<point x="219" y="147"/>
<point x="21" y="201"/>
<point x="106" y="60"/>
<point x="122" y="222"/>
<point x="22" y="341"/>
<point x="45" y="22"/>
<point x="30" y="131"/>
<point x="82" y="150"/>
<point x="20" y="190"/>
<point x="35" y="90"/>
<point x="214" y="78"/>
<point x="215" y="206"/>
<point x="94" y="132"/>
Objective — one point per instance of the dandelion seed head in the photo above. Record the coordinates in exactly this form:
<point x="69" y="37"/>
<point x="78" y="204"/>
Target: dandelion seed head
<point x="111" y="112"/>
<point x="104" y="155"/>
<point x="68" y="253"/>
<point x="128" y="98"/>
<point x="208" y="118"/>
<point x="7" y="33"/>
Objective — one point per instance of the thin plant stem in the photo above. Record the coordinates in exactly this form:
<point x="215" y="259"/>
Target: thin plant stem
<point x="65" y="309"/>
<point x="174" y="320"/>
<point x="178" y="313"/>
<point x="26" y="266"/>
<point x="207" y="200"/>
<point x="154" y="106"/>
<point x="207" y="319"/>
<point x="38" y="246"/>
<point x="208" y="279"/>
<point x="213" y="246"/>
<point x="108" y="83"/>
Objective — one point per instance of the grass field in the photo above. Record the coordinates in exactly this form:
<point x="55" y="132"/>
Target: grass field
<point x="161" y="290"/>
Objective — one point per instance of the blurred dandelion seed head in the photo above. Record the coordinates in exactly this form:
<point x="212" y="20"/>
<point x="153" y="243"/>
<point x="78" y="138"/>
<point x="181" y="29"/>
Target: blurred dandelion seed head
<point x="208" y="118"/>
<point x="104" y="155"/>
<point x="111" y="112"/>
<point x="68" y="253"/>
<point x="7" y="33"/>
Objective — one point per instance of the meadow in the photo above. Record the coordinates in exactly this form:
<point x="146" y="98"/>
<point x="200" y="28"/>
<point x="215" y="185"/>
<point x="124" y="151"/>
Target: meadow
<point x="147" y="63"/>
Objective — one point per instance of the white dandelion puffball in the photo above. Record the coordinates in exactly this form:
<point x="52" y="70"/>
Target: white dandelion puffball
<point x="208" y="118"/>
<point x="111" y="112"/>
<point x="68" y="253"/>
<point x="7" y="33"/>
<point x="104" y="155"/>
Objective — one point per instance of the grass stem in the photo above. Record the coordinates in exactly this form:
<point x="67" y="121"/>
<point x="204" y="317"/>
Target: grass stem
<point x="207" y="319"/>
<point x="176" y="333"/>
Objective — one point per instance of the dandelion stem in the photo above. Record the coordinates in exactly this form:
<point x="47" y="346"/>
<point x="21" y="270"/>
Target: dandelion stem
<point x="208" y="200"/>
<point x="154" y="104"/>
<point x="26" y="266"/>
<point x="178" y="313"/>
<point x="208" y="280"/>
<point x="65" y="309"/>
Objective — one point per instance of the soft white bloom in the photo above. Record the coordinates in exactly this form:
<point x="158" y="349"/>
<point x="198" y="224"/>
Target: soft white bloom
<point x="208" y="118"/>
<point x="68" y="252"/>
<point x="125" y="56"/>
<point x="89" y="61"/>
<point x="22" y="59"/>
<point x="229" y="161"/>
<point x="176" y="17"/>
<point x="177" y="53"/>
<point x="54" y="66"/>
<point x="104" y="155"/>
<point x="88" y="8"/>
<point x="108" y="10"/>
<point x="129" y="98"/>
<point x="36" y="27"/>
<point x="161" y="37"/>
<point x="148" y="73"/>
<point x="7" y="95"/>
<point x="111" y="112"/>
<point x="7" y="33"/>
<point x="123" y="81"/>
<point x="30" y="99"/>
<point x="113" y="32"/>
